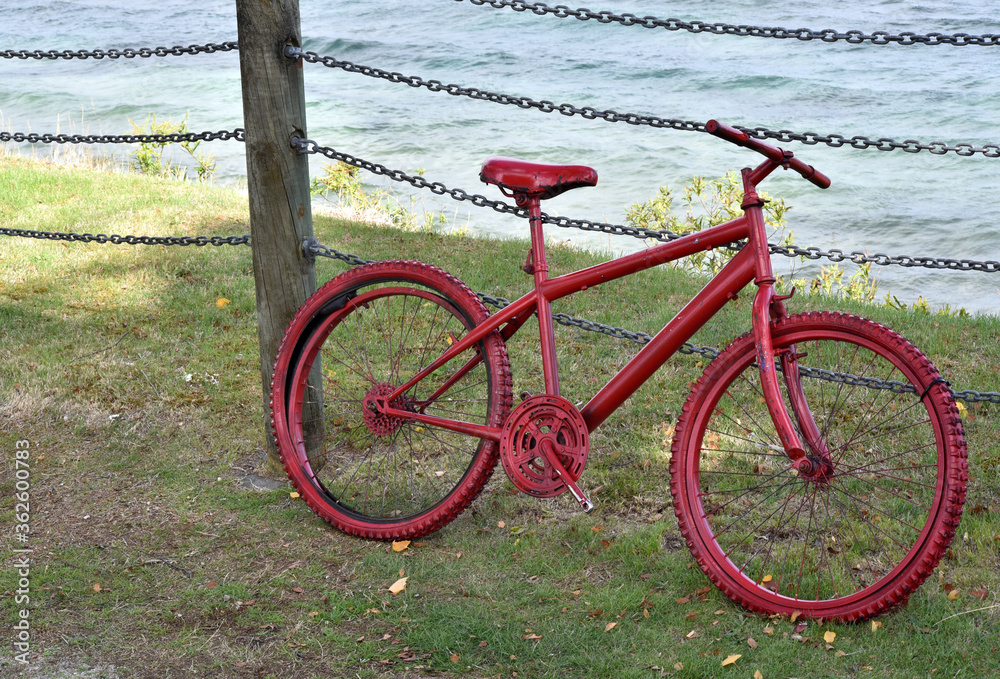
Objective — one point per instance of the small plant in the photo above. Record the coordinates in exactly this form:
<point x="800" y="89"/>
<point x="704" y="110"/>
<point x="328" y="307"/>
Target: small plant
<point x="707" y="203"/>
<point x="922" y="307"/>
<point x="374" y="206"/>
<point x="149" y="158"/>
<point x="861" y="286"/>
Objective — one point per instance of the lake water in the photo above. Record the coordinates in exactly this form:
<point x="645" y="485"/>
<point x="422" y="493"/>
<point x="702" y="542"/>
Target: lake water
<point x="894" y="203"/>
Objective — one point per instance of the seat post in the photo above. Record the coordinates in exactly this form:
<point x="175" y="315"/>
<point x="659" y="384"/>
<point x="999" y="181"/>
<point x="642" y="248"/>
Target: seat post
<point x="541" y="272"/>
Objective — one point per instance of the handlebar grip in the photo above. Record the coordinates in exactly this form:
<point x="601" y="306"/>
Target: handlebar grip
<point x="741" y="138"/>
<point x="810" y="173"/>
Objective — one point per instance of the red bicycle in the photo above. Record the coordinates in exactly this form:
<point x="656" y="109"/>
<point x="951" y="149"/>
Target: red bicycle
<point x="818" y="465"/>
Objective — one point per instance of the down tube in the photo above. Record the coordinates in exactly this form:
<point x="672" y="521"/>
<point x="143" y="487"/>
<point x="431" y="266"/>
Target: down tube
<point x="733" y="278"/>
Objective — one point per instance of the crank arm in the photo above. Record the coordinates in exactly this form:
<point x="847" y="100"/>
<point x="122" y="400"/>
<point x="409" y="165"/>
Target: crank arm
<point x="550" y="456"/>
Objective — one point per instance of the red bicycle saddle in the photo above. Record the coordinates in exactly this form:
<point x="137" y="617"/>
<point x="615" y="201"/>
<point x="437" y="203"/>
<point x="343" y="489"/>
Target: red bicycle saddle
<point x="536" y="179"/>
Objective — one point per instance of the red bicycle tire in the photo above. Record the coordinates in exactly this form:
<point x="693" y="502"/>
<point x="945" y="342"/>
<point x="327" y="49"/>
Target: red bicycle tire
<point x="877" y="524"/>
<point x="374" y="298"/>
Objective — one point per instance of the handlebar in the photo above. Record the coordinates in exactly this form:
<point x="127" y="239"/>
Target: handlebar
<point x="773" y="153"/>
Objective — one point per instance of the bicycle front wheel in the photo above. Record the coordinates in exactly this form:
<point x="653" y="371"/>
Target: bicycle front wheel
<point x="862" y="533"/>
<point x="356" y="340"/>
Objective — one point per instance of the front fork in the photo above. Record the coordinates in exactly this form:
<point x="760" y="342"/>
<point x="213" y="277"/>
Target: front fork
<point x="767" y="307"/>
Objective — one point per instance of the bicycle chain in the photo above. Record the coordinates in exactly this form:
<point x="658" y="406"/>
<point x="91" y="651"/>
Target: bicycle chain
<point x="126" y="53"/>
<point x="718" y="28"/>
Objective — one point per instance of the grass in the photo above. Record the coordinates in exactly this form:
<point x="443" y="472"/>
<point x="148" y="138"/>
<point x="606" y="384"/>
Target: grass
<point x="139" y="397"/>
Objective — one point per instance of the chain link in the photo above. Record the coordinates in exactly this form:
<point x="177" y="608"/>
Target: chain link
<point x="718" y="28"/>
<point x="938" y="148"/>
<point x="126" y="53"/>
<point x="128" y="240"/>
<point x="612" y="116"/>
<point x="176" y="138"/>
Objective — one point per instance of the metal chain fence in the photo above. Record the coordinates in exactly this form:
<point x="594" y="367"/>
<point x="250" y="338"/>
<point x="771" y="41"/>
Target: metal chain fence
<point x="313" y="248"/>
<point x="125" y="53"/>
<point x="609" y="115"/>
<point x="930" y="262"/>
<point x="717" y="28"/>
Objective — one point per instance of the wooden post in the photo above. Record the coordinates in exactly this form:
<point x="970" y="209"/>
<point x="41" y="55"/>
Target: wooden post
<point x="274" y="111"/>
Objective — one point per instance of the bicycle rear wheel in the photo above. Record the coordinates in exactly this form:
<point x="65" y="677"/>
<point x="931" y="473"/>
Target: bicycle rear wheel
<point x="854" y="540"/>
<point x="356" y="339"/>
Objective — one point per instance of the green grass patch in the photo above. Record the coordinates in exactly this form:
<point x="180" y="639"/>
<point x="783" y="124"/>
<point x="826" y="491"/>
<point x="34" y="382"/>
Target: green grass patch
<point x="140" y="399"/>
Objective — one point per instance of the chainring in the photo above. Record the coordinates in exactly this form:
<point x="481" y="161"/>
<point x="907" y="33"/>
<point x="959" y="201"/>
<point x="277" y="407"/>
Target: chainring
<point x="536" y="419"/>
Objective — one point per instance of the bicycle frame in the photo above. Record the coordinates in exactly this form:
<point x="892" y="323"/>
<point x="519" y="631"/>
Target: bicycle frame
<point x="751" y="263"/>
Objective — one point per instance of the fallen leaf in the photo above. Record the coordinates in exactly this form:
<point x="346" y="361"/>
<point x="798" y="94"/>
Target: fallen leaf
<point x="398" y="586"/>
<point x="297" y="590"/>
<point x="829" y="636"/>
<point x="795" y="616"/>
<point x="501" y="524"/>
<point x="645" y="612"/>
<point x="372" y="610"/>
<point x="454" y="657"/>
<point x="758" y="675"/>
<point x="400" y="545"/>
<point x="751" y="642"/>
<point x="483" y="644"/>
<point x="769" y="630"/>
<point x="693" y="634"/>
<point x="222" y="302"/>
<point x="597" y="529"/>
<point x="531" y="637"/>
<point x="731" y="659"/>
<point x="876" y="624"/>
<point x="690" y="616"/>
<point x="294" y="495"/>
<point x="313" y="614"/>
<point x="683" y="600"/>
<point x="678" y="666"/>
<point x="610" y="626"/>
<point x="210" y="584"/>
<point x="97" y="587"/>
<point x="766" y="578"/>
<point x="979" y="594"/>
<point x="953" y="594"/>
